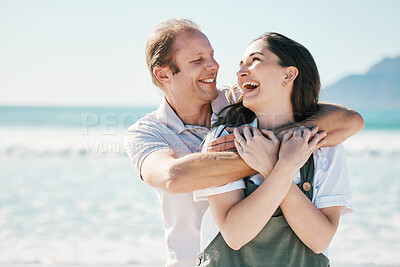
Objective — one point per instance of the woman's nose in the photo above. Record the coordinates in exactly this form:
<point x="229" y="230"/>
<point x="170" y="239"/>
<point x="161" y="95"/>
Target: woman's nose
<point x="243" y="71"/>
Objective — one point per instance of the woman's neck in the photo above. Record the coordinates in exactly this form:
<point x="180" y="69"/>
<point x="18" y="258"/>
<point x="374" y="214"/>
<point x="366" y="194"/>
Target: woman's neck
<point x="273" y="118"/>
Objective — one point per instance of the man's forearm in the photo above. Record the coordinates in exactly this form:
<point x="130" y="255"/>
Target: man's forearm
<point x="202" y="170"/>
<point x="339" y="122"/>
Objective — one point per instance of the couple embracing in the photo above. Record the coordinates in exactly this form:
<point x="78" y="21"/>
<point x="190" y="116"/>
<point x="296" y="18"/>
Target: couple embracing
<point x="269" y="194"/>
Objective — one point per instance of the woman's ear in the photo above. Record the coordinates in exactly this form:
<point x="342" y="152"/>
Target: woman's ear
<point x="162" y="74"/>
<point x="291" y="74"/>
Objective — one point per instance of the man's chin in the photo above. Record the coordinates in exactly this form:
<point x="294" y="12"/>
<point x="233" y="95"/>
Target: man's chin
<point x="208" y="92"/>
<point x="212" y="95"/>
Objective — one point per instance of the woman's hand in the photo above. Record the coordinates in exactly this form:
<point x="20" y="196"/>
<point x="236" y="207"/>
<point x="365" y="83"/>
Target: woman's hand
<point x="258" y="151"/>
<point x="297" y="147"/>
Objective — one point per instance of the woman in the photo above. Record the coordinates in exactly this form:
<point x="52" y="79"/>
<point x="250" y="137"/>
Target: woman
<point x="274" y="221"/>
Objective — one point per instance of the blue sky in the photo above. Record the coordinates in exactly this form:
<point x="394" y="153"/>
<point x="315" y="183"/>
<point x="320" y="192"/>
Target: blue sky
<point x="91" y="52"/>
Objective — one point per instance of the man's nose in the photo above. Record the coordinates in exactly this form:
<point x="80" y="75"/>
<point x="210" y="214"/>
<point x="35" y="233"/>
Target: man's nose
<point x="212" y="65"/>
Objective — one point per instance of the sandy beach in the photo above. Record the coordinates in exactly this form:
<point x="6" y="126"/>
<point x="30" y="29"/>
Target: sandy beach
<point x="73" y="265"/>
<point x="152" y="265"/>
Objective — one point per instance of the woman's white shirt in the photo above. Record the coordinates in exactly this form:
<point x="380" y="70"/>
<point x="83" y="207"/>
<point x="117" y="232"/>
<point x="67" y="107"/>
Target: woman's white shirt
<point x="331" y="185"/>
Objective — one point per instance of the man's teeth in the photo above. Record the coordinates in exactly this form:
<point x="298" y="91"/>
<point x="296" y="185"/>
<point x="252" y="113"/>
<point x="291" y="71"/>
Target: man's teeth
<point x="208" y="80"/>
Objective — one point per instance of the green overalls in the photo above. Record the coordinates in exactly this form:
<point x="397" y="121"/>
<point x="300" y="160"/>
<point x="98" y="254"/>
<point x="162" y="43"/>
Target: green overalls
<point x="275" y="245"/>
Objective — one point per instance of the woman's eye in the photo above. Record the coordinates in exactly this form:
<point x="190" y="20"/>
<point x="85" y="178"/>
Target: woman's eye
<point x="256" y="59"/>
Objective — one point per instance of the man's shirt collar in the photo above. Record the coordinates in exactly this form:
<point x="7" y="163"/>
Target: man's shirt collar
<point x="167" y="116"/>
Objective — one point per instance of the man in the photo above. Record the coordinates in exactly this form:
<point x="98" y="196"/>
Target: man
<point x="163" y="144"/>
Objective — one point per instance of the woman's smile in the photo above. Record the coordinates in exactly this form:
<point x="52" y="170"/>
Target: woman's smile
<point x="249" y="86"/>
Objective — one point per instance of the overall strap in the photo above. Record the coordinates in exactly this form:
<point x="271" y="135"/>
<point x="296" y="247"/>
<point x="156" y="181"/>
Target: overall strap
<point x="306" y="184"/>
<point x="307" y="177"/>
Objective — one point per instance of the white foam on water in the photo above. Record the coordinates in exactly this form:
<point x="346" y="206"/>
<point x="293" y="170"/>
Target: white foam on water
<point x="60" y="142"/>
<point x="81" y="250"/>
<point x="374" y="142"/>
<point x="64" y="202"/>
<point x="66" y="142"/>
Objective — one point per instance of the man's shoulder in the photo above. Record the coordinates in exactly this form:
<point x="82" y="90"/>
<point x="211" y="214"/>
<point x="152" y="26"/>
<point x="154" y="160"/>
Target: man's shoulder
<point x="148" y="121"/>
<point x="226" y="95"/>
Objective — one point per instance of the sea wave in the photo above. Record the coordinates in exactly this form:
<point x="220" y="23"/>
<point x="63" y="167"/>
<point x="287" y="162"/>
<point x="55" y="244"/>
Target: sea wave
<point x="87" y="250"/>
<point x="61" y="209"/>
<point x="374" y="143"/>
<point x="54" y="142"/>
<point x="76" y="143"/>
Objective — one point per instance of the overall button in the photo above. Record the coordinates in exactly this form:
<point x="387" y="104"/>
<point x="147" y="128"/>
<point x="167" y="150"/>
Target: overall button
<point x="306" y="186"/>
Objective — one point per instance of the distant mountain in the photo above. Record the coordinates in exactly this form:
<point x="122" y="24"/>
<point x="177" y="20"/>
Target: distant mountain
<point x="378" y="88"/>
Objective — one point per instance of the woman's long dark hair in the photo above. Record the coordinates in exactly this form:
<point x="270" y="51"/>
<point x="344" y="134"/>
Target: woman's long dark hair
<point x="306" y="86"/>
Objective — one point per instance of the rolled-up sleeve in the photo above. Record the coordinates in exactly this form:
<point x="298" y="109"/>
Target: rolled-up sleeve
<point x="332" y="186"/>
<point x="203" y="194"/>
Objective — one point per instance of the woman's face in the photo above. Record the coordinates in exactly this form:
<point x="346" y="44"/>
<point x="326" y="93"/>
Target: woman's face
<point x="261" y="77"/>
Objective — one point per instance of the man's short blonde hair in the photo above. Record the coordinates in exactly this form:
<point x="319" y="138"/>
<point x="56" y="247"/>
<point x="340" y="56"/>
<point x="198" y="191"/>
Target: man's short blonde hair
<point x="160" y="45"/>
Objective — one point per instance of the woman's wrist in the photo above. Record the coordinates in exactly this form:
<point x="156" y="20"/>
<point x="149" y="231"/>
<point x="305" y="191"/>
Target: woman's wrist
<point x="286" y="167"/>
<point x="266" y="169"/>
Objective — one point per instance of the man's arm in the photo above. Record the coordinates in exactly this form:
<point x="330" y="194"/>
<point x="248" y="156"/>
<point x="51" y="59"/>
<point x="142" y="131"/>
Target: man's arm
<point x="337" y="121"/>
<point x="164" y="169"/>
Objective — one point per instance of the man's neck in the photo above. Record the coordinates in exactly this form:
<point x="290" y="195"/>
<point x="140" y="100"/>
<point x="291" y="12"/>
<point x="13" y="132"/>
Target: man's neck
<point x="194" y="114"/>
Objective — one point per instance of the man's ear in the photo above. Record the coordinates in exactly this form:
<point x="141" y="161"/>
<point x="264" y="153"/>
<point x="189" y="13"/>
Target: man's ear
<point x="162" y="74"/>
<point x="291" y="74"/>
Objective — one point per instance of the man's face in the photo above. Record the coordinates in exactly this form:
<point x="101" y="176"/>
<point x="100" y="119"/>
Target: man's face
<point x="196" y="81"/>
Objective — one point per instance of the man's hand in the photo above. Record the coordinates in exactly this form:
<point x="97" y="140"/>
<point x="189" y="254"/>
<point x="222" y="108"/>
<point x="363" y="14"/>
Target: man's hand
<point x="313" y="130"/>
<point x="223" y="143"/>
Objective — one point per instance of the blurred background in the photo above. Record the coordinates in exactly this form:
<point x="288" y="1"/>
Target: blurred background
<point x="73" y="78"/>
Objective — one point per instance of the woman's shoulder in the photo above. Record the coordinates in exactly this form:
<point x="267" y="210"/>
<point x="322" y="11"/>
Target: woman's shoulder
<point x="213" y="134"/>
<point x="325" y="157"/>
<point x="217" y="132"/>
<point x="221" y="129"/>
<point x="332" y="151"/>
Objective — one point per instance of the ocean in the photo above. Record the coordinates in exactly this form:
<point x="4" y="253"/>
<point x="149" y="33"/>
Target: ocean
<point x="69" y="195"/>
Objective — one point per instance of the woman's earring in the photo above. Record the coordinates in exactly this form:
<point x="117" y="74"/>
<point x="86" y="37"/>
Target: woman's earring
<point x="284" y="84"/>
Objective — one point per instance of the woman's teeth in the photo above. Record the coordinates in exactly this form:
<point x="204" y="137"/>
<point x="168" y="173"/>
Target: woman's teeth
<point x="250" y="85"/>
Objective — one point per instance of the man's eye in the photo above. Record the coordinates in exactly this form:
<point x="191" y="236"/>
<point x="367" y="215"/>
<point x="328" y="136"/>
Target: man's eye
<point x="197" y="60"/>
<point x="256" y="59"/>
